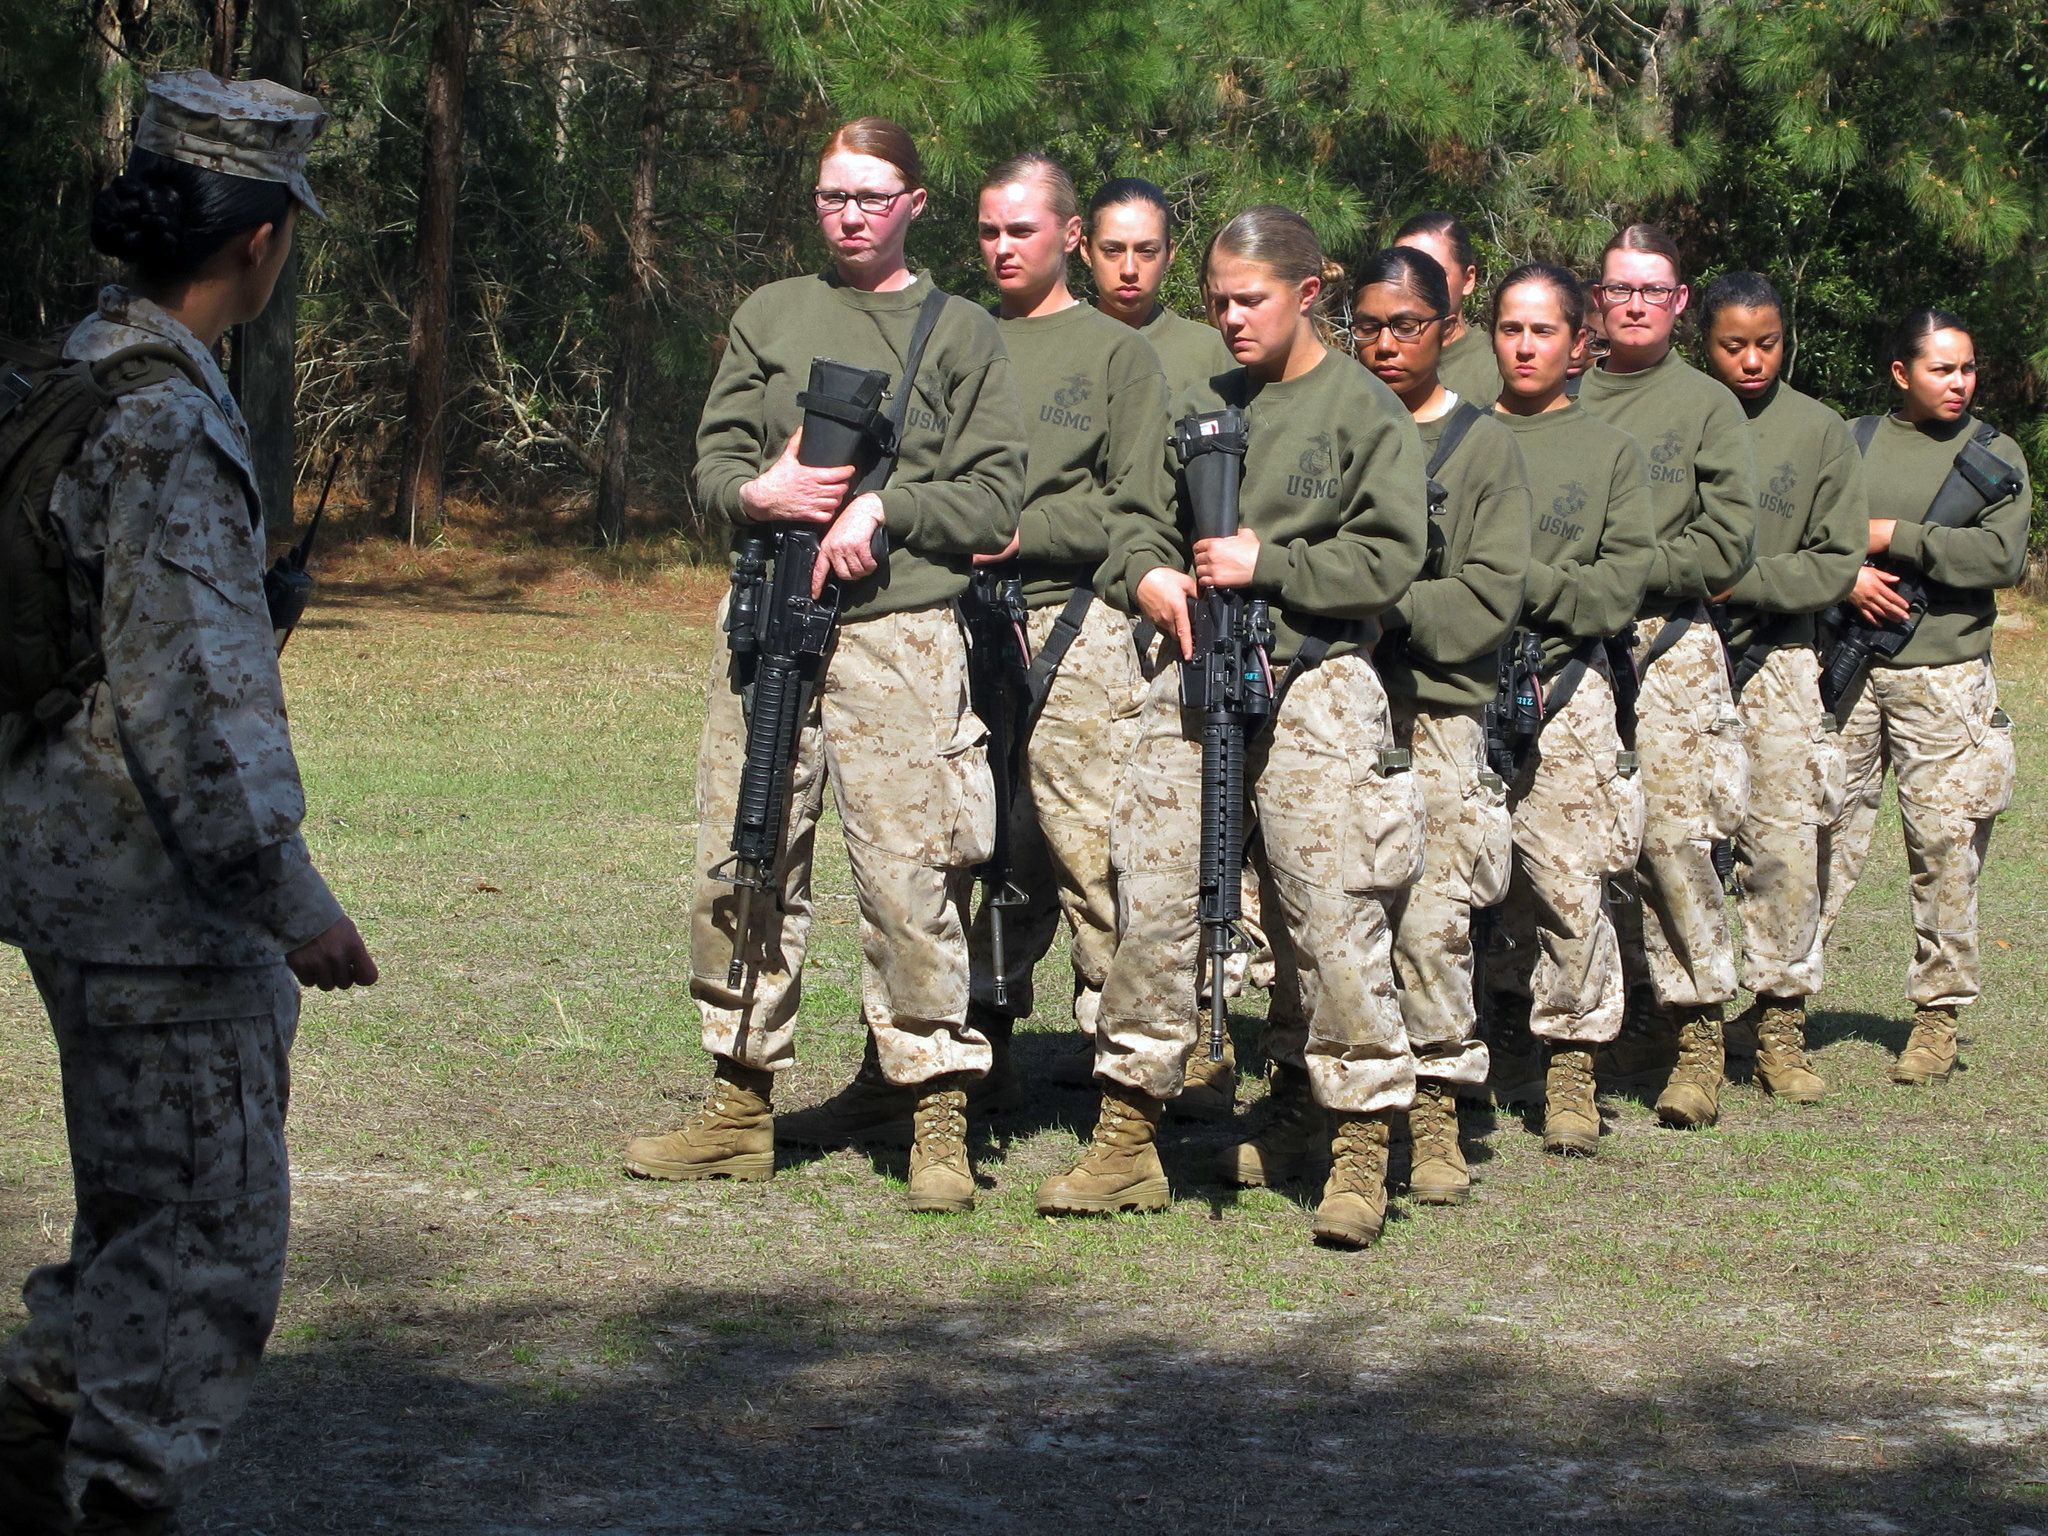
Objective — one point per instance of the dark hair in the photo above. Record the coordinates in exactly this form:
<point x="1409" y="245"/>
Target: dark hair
<point x="1130" y="189"/>
<point x="1446" y="226"/>
<point x="1738" y="290"/>
<point x="1041" y="168"/>
<point x="166" y="218"/>
<point x="1649" y="238"/>
<point x="1405" y="267"/>
<point x="1570" y="291"/>
<point x="884" y="140"/>
<point x="1908" y="339"/>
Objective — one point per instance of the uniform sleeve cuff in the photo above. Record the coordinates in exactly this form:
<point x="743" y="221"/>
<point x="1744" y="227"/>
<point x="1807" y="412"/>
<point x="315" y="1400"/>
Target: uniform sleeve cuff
<point x="1909" y="543"/>
<point x="1274" y="565"/>
<point x="296" y="906"/>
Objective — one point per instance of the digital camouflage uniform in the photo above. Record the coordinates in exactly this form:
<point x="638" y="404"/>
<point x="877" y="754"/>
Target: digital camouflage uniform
<point x="1695" y="771"/>
<point x="1439" y="664"/>
<point x="889" y="725"/>
<point x="1333" y="486"/>
<point x="1578" y="815"/>
<point x="1094" y="404"/>
<point x="152" y="867"/>
<point x="1930" y="716"/>
<point x="1812" y="530"/>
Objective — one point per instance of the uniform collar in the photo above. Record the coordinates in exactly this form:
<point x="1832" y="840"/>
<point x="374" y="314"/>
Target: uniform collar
<point x="124" y="307"/>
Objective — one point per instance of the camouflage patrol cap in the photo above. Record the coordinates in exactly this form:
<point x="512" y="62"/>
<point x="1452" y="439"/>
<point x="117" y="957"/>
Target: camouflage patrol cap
<point x="253" y="128"/>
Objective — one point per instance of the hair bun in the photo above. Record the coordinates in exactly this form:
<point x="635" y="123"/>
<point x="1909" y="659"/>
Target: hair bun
<point x="139" y="219"/>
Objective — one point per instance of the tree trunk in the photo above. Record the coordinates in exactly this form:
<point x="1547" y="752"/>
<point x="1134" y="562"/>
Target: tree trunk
<point x="220" y="19"/>
<point x="426" y="393"/>
<point x="263" y="348"/>
<point x="637" y="321"/>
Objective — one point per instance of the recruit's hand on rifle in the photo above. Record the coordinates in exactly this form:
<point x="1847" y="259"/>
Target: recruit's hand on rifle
<point x="1005" y="553"/>
<point x="1227" y="562"/>
<point x="789" y="492"/>
<point x="1163" y="597"/>
<point x="1874" y="597"/>
<point x="848" y="549"/>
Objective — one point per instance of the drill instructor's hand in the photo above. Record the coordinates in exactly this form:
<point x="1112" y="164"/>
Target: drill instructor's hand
<point x="337" y="959"/>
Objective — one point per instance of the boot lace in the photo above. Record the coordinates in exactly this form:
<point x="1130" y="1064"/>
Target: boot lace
<point x="1435" y="1130"/>
<point x="940" y="1124"/>
<point x="1359" y="1156"/>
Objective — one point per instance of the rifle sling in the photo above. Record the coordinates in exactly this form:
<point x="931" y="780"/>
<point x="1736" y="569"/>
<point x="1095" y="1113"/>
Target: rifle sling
<point x="1564" y="682"/>
<point x="1066" y="629"/>
<point x="899" y="407"/>
<point x="1460" y="423"/>
<point x="1673" y="631"/>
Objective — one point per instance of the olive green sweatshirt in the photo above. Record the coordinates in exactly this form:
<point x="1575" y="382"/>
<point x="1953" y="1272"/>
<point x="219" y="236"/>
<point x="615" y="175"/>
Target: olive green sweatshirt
<point x="959" y="481"/>
<point x="1702" y="473"/>
<point x="1468" y="366"/>
<point x="1191" y="352"/>
<point x="1094" y="419"/>
<point x="1902" y="470"/>
<point x="1593" y="542"/>
<point x="1469" y="598"/>
<point x="1811" y="529"/>
<point x="1333" y="486"/>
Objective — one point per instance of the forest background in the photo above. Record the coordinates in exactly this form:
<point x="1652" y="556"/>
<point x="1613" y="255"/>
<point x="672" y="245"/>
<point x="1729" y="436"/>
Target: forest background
<point x="542" y="211"/>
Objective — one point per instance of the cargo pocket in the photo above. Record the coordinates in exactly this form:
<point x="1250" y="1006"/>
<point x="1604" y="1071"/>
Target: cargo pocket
<point x="1618" y="824"/>
<point x="1831" y="776"/>
<point x="1488" y="835"/>
<point x="184" y="1073"/>
<point x="1384" y="816"/>
<point x="964" y="799"/>
<point x="1989" y="769"/>
<point x="1725" y="769"/>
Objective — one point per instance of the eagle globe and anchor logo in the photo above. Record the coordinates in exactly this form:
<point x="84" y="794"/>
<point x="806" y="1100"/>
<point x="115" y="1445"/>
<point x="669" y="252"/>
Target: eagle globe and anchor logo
<point x="1065" y="409"/>
<point x="1313" y="480"/>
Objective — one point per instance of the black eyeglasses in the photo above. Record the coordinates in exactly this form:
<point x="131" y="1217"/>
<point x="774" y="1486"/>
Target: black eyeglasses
<point x="1404" y="327"/>
<point x="874" y="204"/>
<point x="1658" y="294"/>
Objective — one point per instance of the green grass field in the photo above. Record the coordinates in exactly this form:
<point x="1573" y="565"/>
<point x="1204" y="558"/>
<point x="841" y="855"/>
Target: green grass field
<point x="1833" y="1319"/>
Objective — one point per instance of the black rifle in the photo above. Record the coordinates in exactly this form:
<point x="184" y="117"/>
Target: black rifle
<point x="288" y="585"/>
<point x="1979" y="479"/>
<point x="1514" y="718"/>
<point x="779" y="633"/>
<point x="998" y="689"/>
<point x="1620" y="649"/>
<point x="1230" y="684"/>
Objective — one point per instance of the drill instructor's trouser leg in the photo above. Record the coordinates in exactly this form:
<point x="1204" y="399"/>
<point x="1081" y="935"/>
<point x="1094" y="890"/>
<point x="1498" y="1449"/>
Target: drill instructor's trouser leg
<point x="1577" y="819"/>
<point x="1060" y="825"/>
<point x="1795" y="788"/>
<point x="148" y="1335"/>
<point x="1933" y="727"/>
<point x="1695" y="785"/>
<point x="1338" y="836"/>
<point x="892" y="733"/>
<point x="1465" y="865"/>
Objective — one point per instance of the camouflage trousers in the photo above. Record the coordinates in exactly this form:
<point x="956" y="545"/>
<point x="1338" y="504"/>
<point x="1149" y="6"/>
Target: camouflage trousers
<point x="1939" y="730"/>
<point x="890" y="730"/>
<point x="1059" y="816"/>
<point x="1578" y="818"/>
<point x="1337" y="836"/>
<point x="1695" y="789"/>
<point x="1795" y="790"/>
<point x="147" y="1336"/>
<point x="1467" y="854"/>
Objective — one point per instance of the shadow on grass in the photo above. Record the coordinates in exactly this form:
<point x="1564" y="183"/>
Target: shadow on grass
<point x="787" y="1409"/>
<point x="1825" y="1026"/>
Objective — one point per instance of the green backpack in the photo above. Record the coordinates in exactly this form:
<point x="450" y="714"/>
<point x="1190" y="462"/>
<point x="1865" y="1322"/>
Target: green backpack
<point x="49" y="405"/>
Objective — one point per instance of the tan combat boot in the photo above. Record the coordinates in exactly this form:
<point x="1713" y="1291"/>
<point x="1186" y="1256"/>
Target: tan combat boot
<point x="731" y="1136"/>
<point x="1930" y="1053"/>
<point x="1781" y="1064"/>
<point x="869" y="1111"/>
<point x="1645" y="1053"/>
<point x="940" y="1179"/>
<point x="1209" y="1089"/>
<point x="1120" y="1171"/>
<point x="1354" y="1204"/>
<point x="1514" y="1073"/>
<point x="1437" y="1174"/>
<point x="1692" y="1098"/>
<point x="1291" y="1128"/>
<point x="1571" y="1118"/>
